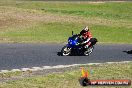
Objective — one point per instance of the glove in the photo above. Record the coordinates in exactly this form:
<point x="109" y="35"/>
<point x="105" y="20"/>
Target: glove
<point x="79" y="35"/>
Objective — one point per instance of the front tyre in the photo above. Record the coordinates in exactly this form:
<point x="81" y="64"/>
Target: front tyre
<point x="89" y="51"/>
<point x="66" y="51"/>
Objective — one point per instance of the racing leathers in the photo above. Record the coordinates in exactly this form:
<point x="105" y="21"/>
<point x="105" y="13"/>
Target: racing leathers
<point x="86" y="39"/>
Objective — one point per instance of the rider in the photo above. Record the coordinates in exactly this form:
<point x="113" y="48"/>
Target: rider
<point x="86" y="36"/>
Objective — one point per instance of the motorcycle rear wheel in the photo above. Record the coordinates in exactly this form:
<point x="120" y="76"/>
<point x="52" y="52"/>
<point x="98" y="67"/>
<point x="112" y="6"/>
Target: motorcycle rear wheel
<point x="89" y="51"/>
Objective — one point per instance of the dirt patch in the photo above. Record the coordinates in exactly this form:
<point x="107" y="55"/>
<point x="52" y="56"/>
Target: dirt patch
<point x="19" y="17"/>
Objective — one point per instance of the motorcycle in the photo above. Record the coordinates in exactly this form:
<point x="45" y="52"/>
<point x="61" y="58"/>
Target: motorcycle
<point x="74" y="46"/>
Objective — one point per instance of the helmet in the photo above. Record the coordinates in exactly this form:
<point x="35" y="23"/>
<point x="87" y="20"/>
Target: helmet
<point x="86" y="28"/>
<point x="83" y="32"/>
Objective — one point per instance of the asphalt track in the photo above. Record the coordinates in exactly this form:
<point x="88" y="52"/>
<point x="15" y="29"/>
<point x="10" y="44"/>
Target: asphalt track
<point x="16" y="56"/>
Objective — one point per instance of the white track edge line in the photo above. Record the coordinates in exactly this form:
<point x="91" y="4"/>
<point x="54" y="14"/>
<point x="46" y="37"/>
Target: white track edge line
<point x="56" y="67"/>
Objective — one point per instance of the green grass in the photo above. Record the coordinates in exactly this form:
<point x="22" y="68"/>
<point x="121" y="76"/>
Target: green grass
<point x="106" y="10"/>
<point x="10" y="74"/>
<point x="41" y="33"/>
<point x="38" y="21"/>
<point x="69" y="79"/>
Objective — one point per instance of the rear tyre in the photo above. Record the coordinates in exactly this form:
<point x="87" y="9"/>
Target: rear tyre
<point x="66" y="51"/>
<point x="88" y="51"/>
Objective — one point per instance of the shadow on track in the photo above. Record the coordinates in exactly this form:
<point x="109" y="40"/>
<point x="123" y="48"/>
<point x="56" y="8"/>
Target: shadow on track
<point x="73" y="54"/>
<point x="59" y="54"/>
<point x="128" y="52"/>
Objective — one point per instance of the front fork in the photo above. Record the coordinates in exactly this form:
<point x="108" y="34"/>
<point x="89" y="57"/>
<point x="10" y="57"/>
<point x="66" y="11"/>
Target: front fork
<point x="68" y="46"/>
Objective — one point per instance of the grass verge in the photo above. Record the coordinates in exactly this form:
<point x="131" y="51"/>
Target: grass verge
<point x="38" y="21"/>
<point x="69" y="79"/>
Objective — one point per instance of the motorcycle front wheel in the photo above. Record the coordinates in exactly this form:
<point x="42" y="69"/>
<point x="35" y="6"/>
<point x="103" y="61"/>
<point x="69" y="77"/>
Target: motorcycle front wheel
<point x="66" y="51"/>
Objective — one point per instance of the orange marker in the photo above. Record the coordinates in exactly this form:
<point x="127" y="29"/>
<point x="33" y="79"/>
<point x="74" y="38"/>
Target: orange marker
<point x="84" y="73"/>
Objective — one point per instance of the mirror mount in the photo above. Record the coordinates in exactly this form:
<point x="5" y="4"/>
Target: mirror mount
<point x="72" y="32"/>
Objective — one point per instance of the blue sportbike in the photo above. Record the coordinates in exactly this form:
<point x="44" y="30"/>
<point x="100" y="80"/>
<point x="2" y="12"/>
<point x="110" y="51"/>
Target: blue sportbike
<point x="74" y="46"/>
